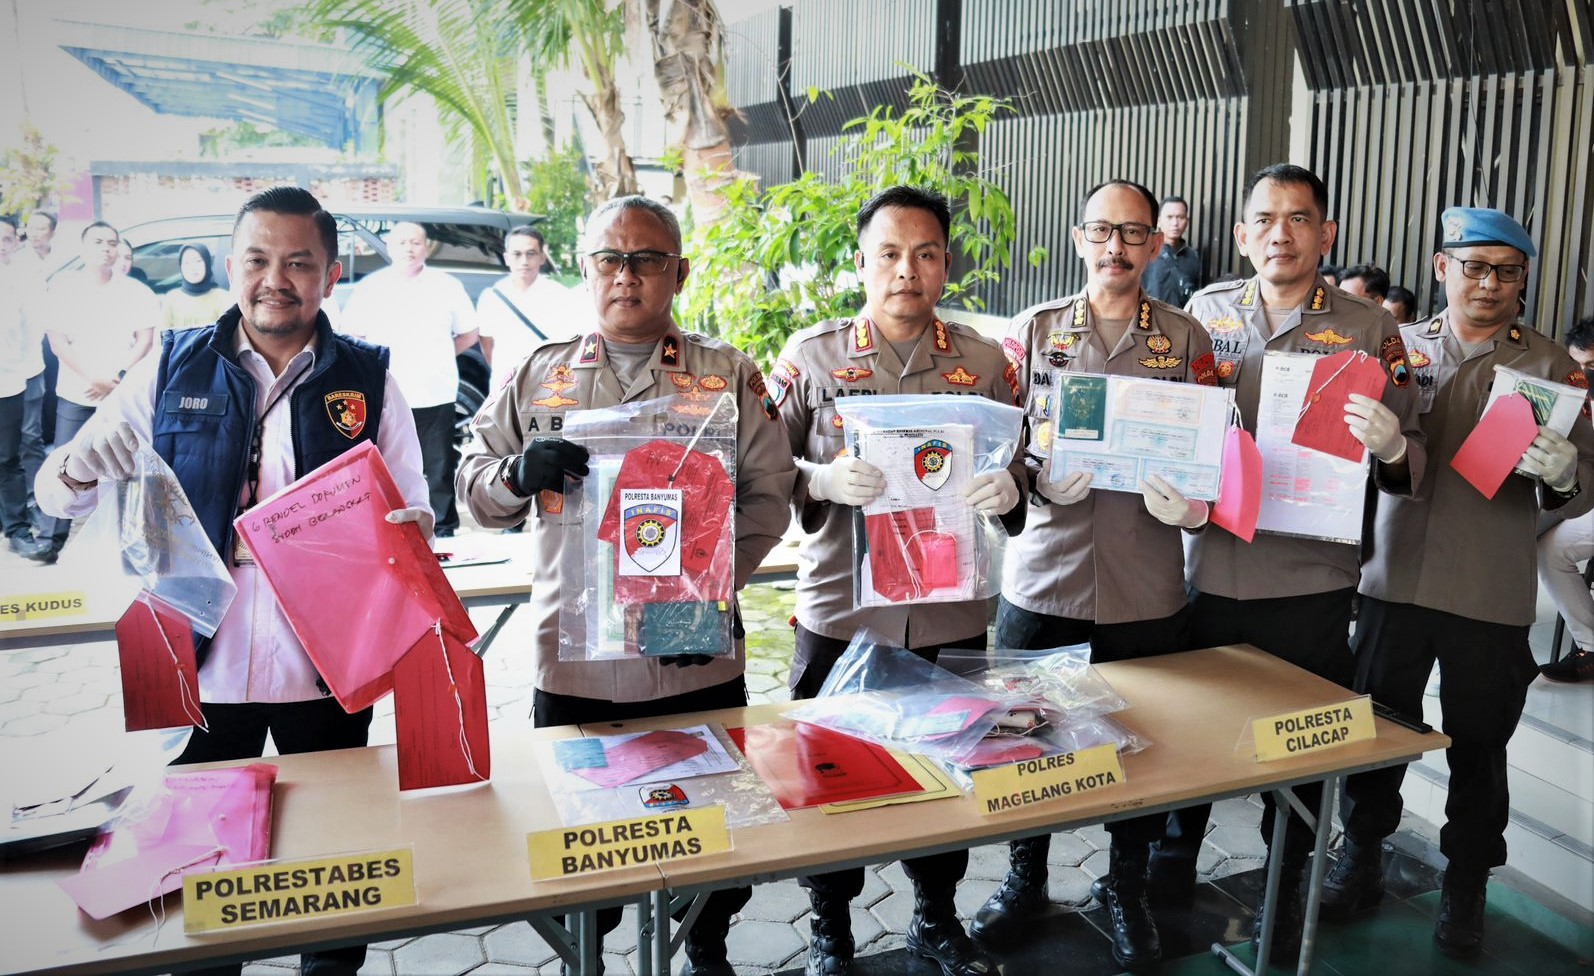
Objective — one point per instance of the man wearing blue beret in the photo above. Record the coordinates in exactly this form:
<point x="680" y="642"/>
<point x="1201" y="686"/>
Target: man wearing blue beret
<point x="1452" y="574"/>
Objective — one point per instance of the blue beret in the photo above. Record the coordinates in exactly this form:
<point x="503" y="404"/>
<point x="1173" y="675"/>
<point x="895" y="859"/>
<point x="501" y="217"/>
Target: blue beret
<point x="1471" y="226"/>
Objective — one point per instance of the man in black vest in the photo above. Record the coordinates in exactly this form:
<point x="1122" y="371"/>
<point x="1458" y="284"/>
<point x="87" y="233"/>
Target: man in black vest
<point x="239" y="409"/>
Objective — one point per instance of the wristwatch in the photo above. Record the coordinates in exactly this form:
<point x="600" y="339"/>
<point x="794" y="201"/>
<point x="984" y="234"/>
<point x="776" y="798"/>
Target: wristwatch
<point x="72" y="482"/>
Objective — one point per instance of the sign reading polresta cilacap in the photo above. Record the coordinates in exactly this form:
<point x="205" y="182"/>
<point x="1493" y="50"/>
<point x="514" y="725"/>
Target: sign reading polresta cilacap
<point x="288" y="891"/>
<point x="1311" y="729"/>
<point x="570" y="851"/>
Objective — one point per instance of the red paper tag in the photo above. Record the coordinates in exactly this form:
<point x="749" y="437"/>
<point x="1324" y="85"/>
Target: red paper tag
<point x="440" y="709"/>
<point x="1495" y="446"/>
<point x="807" y="765"/>
<point x="160" y="680"/>
<point x="1240" y="500"/>
<point x="1321" y="426"/>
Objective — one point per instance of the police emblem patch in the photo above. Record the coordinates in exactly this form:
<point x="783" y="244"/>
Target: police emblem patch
<point x="1205" y="369"/>
<point x="941" y="342"/>
<point x="756" y="384"/>
<point x="1418" y="359"/>
<point x="1159" y="344"/>
<point x="713" y="383"/>
<point x="1329" y="337"/>
<point x="652" y="533"/>
<point x="932" y="463"/>
<point x="1161" y="362"/>
<point x="960" y="377"/>
<point x="682" y="381"/>
<point x="1393" y="352"/>
<point x="1225" y="323"/>
<point x="346" y="410"/>
<point x="669" y="351"/>
<point x="663" y="797"/>
<point x="1015" y="350"/>
<point x="851" y="374"/>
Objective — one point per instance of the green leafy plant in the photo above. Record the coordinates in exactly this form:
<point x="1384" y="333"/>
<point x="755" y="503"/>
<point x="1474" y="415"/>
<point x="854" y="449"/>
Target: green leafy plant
<point x="556" y="187"/>
<point x="781" y="258"/>
<point x="28" y="178"/>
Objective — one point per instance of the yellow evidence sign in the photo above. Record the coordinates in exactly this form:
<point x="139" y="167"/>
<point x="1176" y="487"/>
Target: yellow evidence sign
<point x="1311" y="729"/>
<point x="1030" y="781"/>
<point x="570" y="851"/>
<point x="33" y="606"/>
<point x="289" y="891"/>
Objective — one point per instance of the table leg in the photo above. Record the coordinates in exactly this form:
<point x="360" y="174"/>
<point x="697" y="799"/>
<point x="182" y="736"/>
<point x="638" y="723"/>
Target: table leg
<point x="589" y="941"/>
<point x="661" y="932"/>
<point x="559" y="938"/>
<point x="1314" y="890"/>
<point x="1275" y="868"/>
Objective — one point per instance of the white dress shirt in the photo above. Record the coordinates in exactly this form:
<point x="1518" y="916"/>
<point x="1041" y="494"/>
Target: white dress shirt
<point x="417" y="319"/>
<point x="558" y="312"/>
<point x="255" y="656"/>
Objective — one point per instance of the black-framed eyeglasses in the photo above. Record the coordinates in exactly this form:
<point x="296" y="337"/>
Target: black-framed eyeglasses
<point x="1100" y="232"/>
<point x="1479" y="270"/>
<point x="644" y="263"/>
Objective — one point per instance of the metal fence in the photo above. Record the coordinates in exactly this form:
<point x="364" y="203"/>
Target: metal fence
<point x="1404" y="107"/>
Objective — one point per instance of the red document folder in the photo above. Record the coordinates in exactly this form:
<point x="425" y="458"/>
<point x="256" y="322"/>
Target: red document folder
<point x="1495" y="446"/>
<point x="199" y="820"/>
<point x="708" y="497"/>
<point x="808" y="765"/>
<point x="1240" y="499"/>
<point x="1334" y="378"/>
<point x="160" y="681"/>
<point x="440" y="708"/>
<point x="358" y="590"/>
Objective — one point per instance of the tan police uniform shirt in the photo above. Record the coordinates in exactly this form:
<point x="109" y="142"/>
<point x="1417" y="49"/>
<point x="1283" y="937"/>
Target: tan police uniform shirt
<point x="1329" y="322"/>
<point x="1104" y="558"/>
<point x="564" y="377"/>
<point x="1449" y="548"/>
<point x="842" y="358"/>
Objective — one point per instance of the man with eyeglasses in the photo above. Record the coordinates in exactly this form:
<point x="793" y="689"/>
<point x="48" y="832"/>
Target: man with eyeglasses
<point x="1289" y="596"/>
<point x="516" y="467"/>
<point x="1452" y="575"/>
<point x="896" y="344"/>
<point x="1105" y="567"/>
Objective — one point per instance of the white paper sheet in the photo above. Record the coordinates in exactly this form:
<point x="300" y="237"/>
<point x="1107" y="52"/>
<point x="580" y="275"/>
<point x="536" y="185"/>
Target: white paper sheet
<point x="1305" y="493"/>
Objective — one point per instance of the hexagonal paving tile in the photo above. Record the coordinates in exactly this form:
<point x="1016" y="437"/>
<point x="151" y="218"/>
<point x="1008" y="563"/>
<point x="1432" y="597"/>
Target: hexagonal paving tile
<point x="440" y="955"/>
<point x="518" y="943"/>
<point x="83" y="701"/>
<point x="783" y="901"/>
<point x="35" y="724"/>
<point x="758" y="943"/>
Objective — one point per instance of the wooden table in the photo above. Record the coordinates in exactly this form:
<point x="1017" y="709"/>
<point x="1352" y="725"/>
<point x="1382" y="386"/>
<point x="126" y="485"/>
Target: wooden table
<point x="471" y="868"/>
<point x="1196" y="709"/>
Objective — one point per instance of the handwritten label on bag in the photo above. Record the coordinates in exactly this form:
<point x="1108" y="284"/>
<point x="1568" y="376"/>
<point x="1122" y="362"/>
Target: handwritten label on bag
<point x="289" y="891"/>
<point x="1030" y="781"/>
<point x="570" y="851"/>
<point x="1312" y="729"/>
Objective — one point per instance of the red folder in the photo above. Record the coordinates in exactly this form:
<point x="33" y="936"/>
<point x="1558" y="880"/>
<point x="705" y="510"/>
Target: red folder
<point x="160" y="681"/>
<point x="358" y="590"/>
<point x="900" y="548"/>
<point x="708" y="496"/>
<point x="1240" y="499"/>
<point x="1321" y="426"/>
<point x="199" y="820"/>
<point x="440" y="708"/>
<point x="1495" y="446"/>
<point x="808" y="765"/>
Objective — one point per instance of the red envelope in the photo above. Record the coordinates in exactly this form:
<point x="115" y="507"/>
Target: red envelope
<point x="358" y="590"/>
<point x="1321" y="426"/>
<point x="440" y="707"/>
<point x="200" y="820"/>
<point x="808" y="765"/>
<point x="900" y="544"/>
<point x="160" y="680"/>
<point x="1495" y="446"/>
<point x="708" y="497"/>
<point x="1240" y="499"/>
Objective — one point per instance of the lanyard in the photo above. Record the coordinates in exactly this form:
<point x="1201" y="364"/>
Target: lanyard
<point x="259" y="433"/>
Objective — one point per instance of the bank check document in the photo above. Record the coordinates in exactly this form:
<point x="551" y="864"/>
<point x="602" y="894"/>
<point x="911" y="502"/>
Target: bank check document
<point x="1124" y="429"/>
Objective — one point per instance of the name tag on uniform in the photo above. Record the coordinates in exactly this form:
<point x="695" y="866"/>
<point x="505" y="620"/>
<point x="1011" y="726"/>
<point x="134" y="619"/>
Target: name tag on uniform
<point x="207" y="404"/>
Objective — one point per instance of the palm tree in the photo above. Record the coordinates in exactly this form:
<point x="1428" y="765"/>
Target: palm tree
<point x="688" y="64"/>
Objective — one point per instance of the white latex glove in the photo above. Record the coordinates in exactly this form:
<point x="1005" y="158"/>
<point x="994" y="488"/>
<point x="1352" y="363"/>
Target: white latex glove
<point x="416" y="514"/>
<point x="1376" y="426"/>
<point x="1168" y="506"/>
<point x="1071" y="489"/>
<point x="1552" y="459"/>
<point x="105" y="454"/>
<point x="992" y="493"/>
<point x="846" y="481"/>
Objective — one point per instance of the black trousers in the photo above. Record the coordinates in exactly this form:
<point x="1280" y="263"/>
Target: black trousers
<point x="239" y="732"/>
<point x="1310" y="632"/>
<point x="933" y="870"/>
<point x="69" y="419"/>
<point x="1025" y="630"/>
<point x="13" y="490"/>
<point x="548" y="709"/>
<point x="1484" y="673"/>
<point x="434" y="427"/>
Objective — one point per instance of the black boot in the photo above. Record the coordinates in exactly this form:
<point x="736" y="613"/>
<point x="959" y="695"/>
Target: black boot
<point x="1005" y="917"/>
<point x="1289" y="920"/>
<point x="1123" y="891"/>
<point x="1356" y="882"/>
<point x="705" y="947"/>
<point x="934" y="933"/>
<point x="1459" y="928"/>
<point x="830" y="945"/>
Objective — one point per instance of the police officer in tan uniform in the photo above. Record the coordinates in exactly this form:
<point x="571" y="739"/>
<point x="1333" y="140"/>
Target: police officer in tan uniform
<point x="1291" y="597"/>
<point x="1452" y="575"/>
<point x="896" y="345"/>
<point x="1102" y="566"/>
<point x="518" y="462"/>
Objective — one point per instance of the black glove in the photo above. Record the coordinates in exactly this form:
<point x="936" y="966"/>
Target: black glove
<point x="544" y="465"/>
<point x="686" y="660"/>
